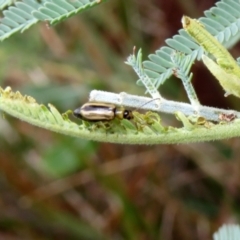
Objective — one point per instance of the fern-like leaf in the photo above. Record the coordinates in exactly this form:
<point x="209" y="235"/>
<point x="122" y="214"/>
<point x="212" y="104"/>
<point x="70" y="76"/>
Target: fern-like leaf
<point x="136" y="63"/>
<point x="144" y="129"/>
<point x="18" y="18"/>
<point x="28" y="12"/>
<point x="222" y="21"/>
<point x="182" y="69"/>
<point x="55" y="11"/>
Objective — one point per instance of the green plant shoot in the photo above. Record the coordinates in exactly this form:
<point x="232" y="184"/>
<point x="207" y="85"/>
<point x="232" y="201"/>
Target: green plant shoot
<point x="223" y="67"/>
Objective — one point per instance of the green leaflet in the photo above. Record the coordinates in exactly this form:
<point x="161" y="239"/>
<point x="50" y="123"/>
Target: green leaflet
<point x="225" y="69"/>
<point x="23" y="14"/>
<point x="229" y="82"/>
<point x="145" y="128"/>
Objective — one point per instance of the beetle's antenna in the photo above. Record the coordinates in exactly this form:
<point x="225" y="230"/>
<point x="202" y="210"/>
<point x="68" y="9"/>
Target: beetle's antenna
<point x="147" y="103"/>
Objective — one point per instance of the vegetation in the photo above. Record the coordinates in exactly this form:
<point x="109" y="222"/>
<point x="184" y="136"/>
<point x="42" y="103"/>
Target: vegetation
<point x="58" y="187"/>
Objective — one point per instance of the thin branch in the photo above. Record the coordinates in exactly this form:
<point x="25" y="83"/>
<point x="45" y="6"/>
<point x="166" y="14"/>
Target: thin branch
<point x="164" y="106"/>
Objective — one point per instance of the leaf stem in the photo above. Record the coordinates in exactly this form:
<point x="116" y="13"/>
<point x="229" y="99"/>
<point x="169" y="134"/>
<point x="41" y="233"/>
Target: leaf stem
<point x="165" y="106"/>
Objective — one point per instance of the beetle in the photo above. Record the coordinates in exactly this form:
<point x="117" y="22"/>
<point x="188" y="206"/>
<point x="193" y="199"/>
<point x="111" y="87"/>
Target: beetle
<point x="97" y="111"/>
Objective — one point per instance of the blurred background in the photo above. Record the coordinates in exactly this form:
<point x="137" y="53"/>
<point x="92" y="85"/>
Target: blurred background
<point x="58" y="187"/>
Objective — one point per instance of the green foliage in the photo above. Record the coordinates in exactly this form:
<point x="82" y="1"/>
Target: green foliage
<point x="146" y="128"/>
<point x="24" y="14"/>
<point x="167" y="61"/>
<point x="4" y="3"/>
<point x="131" y="204"/>
<point x="221" y="21"/>
<point x="55" y="11"/>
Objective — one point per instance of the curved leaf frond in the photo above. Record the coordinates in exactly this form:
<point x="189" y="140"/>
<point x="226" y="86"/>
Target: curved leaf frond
<point x="144" y="129"/>
<point x="222" y="21"/>
<point x="55" y="11"/>
<point x="18" y="18"/>
<point x="28" y="12"/>
<point x="136" y="63"/>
